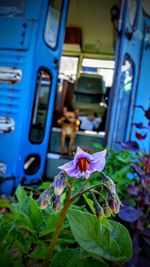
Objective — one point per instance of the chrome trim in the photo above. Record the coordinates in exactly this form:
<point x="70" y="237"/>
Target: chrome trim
<point x="7" y="124"/>
<point x="10" y="75"/>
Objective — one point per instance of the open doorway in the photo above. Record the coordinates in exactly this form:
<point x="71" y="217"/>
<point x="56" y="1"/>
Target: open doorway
<point x="85" y="74"/>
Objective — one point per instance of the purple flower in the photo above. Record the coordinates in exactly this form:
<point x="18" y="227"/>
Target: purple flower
<point x="45" y="199"/>
<point x="85" y="164"/>
<point x="140" y="136"/>
<point x="129" y="213"/>
<point x="133" y="190"/>
<point x="147" y="113"/>
<point x="139" y="125"/>
<point x="59" y="183"/>
<point x="138" y="170"/>
<point x="130" y="146"/>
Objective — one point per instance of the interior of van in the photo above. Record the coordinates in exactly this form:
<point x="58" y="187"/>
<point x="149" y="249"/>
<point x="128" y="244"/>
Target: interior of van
<point x="85" y="74"/>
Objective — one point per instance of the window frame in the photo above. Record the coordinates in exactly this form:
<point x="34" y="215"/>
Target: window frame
<point x="58" y="29"/>
<point x="37" y="90"/>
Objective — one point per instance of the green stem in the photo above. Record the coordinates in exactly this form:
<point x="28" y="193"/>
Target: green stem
<point x="94" y="198"/>
<point x="57" y="230"/>
<point x="100" y="194"/>
<point x="86" y="190"/>
<point x="81" y="188"/>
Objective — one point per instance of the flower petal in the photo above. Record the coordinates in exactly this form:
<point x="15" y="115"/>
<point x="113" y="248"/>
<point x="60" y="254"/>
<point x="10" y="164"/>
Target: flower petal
<point x="99" y="160"/>
<point x="81" y="154"/>
<point x="100" y="155"/>
<point x="87" y="174"/>
<point x="99" y="166"/>
<point x="74" y="173"/>
<point x="71" y="170"/>
<point x="91" y="168"/>
<point x="67" y="166"/>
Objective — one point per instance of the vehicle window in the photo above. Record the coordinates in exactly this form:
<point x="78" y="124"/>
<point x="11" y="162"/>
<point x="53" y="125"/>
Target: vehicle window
<point x="105" y="68"/>
<point x="52" y="22"/>
<point x="67" y="71"/>
<point x="126" y="83"/>
<point x="68" y="67"/>
<point x="132" y="5"/>
<point x="39" y="115"/>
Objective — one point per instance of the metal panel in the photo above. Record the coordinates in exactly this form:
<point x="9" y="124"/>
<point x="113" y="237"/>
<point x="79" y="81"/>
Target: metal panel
<point x="16" y="30"/>
<point x="142" y="100"/>
<point x="17" y="100"/>
<point x="129" y="45"/>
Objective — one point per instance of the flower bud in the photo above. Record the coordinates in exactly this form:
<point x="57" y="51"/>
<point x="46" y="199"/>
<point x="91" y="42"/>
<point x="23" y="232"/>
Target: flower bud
<point x="98" y="210"/>
<point x="59" y="183"/>
<point x="108" y="182"/>
<point x="56" y="202"/>
<point x="107" y="211"/>
<point x="44" y="199"/>
<point x="114" y="202"/>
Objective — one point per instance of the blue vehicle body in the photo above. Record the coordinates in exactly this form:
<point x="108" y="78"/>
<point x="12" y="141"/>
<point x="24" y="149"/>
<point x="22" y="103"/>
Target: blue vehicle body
<point x="29" y="62"/>
<point x="23" y="47"/>
<point x="130" y="88"/>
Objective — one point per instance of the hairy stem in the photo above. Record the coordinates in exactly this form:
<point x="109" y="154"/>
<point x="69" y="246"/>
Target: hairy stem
<point x="86" y="190"/>
<point x="57" y="230"/>
<point x="100" y="194"/>
<point x="81" y="188"/>
<point x="94" y="198"/>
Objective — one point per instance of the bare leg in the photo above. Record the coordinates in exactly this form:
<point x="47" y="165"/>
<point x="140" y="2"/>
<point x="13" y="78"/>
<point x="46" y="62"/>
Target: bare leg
<point x="62" y="151"/>
<point x="71" y="144"/>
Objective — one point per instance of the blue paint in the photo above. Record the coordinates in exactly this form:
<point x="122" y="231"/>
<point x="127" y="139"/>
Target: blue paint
<point x="122" y="111"/>
<point x="22" y="46"/>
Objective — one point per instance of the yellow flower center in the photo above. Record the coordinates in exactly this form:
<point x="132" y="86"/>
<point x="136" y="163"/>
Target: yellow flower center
<point x="83" y="164"/>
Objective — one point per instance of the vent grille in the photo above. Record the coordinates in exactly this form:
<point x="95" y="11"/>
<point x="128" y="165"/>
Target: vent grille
<point x="9" y="100"/>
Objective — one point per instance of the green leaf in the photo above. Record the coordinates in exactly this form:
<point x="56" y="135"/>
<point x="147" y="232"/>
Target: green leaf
<point x="28" y="214"/>
<point x="21" y="194"/>
<point x="18" y="263"/>
<point x="121" y="172"/>
<point x="91" y="262"/>
<point x="49" y="222"/>
<point x="24" y="221"/>
<point x="43" y="186"/>
<point x="21" y="241"/>
<point x="94" y="237"/>
<point x="125" y="160"/>
<point x="35" y="214"/>
<point x="5" y="258"/>
<point x="5" y="229"/>
<point x="90" y="203"/>
<point x="87" y="255"/>
<point x="15" y="207"/>
<point x="75" y="258"/>
<point x="20" y="219"/>
<point x="66" y="236"/>
<point x="105" y="223"/>
<point x="4" y="203"/>
<point x="39" y="253"/>
<point x="64" y="257"/>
